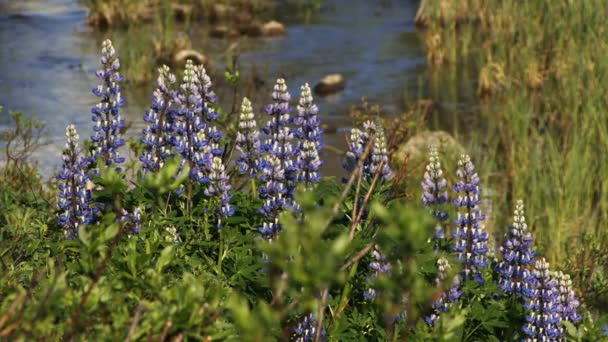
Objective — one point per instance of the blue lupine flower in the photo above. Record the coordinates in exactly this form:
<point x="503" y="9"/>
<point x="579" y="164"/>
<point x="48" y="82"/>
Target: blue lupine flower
<point x="106" y="114"/>
<point x="219" y="187"/>
<point x="311" y="142"/>
<point x="74" y="197"/>
<point x="434" y="186"/>
<point x="189" y="138"/>
<point x="449" y="297"/>
<point x="517" y="254"/>
<point x="543" y="317"/>
<point x="157" y="134"/>
<point x="378" y="156"/>
<point x="280" y="137"/>
<point x="307" y="330"/>
<point x="247" y="140"/>
<point x="471" y="238"/>
<point x="377" y="267"/>
<point x="567" y="299"/>
<point x="272" y="191"/>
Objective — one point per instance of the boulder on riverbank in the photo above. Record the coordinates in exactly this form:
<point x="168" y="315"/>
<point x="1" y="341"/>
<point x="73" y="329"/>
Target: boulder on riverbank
<point x="180" y="58"/>
<point x="273" y="28"/>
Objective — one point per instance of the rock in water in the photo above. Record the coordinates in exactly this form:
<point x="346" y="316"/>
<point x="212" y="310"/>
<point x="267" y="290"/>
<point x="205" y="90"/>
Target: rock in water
<point x="273" y="28"/>
<point x="330" y="84"/>
<point x="182" y="56"/>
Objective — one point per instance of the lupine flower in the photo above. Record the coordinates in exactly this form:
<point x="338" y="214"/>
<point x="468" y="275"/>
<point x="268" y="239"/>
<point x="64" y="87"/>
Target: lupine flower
<point x="189" y="137"/>
<point x="106" y="114"/>
<point x="567" y="299"/>
<point x="471" y="238"/>
<point x="449" y="297"/>
<point x="272" y="191"/>
<point x="543" y="318"/>
<point x="208" y="113"/>
<point x="307" y="330"/>
<point x="377" y="267"/>
<point x="131" y="219"/>
<point x="157" y="134"/>
<point x="247" y="140"/>
<point x="219" y="187"/>
<point x="517" y="254"/>
<point x="434" y="186"/>
<point x="73" y="194"/>
<point x="378" y="156"/>
<point x="309" y="134"/>
<point x="279" y="144"/>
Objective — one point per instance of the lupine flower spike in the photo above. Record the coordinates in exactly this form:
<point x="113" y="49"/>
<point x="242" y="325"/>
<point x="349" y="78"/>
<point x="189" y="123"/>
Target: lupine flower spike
<point x="567" y="299"/>
<point x="307" y="330"/>
<point x="471" y="238"/>
<point x="517" y="254"/>
<point x="219" y="188"/>
<point x="543" y="318"/>
<point x="449" y="297"/>
<point x="106" y="114"/>
<point x="281" y="137"/>
<point x="311" y="142"/>
<point x="133" y="220"/>
<point x="189" y="138"/>
<point x="377" y="267"/>
<point x="278" y="171"/>
<point x="157" y="134"/>
<point x="247" y="140"/>
<point x="357" y="144"/>
<point x="208" y="114"/>
<point x="73" y="194"/>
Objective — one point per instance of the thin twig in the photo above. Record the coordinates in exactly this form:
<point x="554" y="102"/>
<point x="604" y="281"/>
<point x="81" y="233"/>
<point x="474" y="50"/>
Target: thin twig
<point x="365" y="200"/>
<point x="321" y="313"/>
<point x="358" y="256"/>
<point x="138" y="311"/>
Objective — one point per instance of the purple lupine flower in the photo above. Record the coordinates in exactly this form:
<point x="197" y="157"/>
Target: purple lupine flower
<point x="219" y="187"/>
<point x="471" y="238"/>
<point x="74" y="198"/>
<point x="272" y="191"/>
<point x="567" y="299"/>
<point x="543" y="316"/>
<point x="306" y="330"/>
<point x="132" y="219"/>
<point x="434" y="186"/>
<point x="517" y="254"/>
<point x="378" y="156"/>
<point x="280" y="137"/>
<point x="377" y="267"/>
<point x="106" y="114"/>
<point x="247" y="140"/>
<point x="208" y="113"/>
<point x="449" y="297"/>
<point x="311" y="142"/>
<point x="189" y="138"/>
<point x="157" y="134"/>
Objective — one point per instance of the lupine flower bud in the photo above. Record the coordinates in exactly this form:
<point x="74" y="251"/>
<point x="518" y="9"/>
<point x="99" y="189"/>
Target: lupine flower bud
<point x="131" y="219"/>
<point x="247" y="140"/>
<point x="517" y="254"/>
<point x="157" y="134"/>
<point x="471" y="238"/>
<point x="306" y="330"/>
<point x="74" y="197"/>
<point x="106" y="114"/>
<point x="219" y="187"/>
<point x="543" y="318"/>
<point x="379" y="155"/>
<point x="379" y="266"/>
<point x="567" y="299"/>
